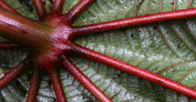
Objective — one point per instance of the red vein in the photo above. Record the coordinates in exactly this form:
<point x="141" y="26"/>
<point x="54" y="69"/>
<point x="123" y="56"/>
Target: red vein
<point x="140" y="42"/>
<point x="86" y="82"/>
<point x="153" y="63"/>
<point x="34" y="86"/>
<point x="12" y="74"/>
<point x="133" y="70"/>
<point x="56" y="83"/>
<point x="57" y="6"/>
<point x="133" y="21"/>
<point x="115" y="94"/>
<point x="170" y="66"/>
<point x="166" y="41"/>
<point x="189" y="29"/>
<point x="77" y="10"/>
<point x="190" y="3"/>
<point x="174" y="7"/>
<point x="7" y="7"/>
<point x="177" y="97"/>
<point x="112" y="73"/>
<point x="153" y="39"/>
<point x="181" y="38"/>
<point x="140" y="5"/>
<point x="194" y="86"/>
<point x="149" y="5"/>
<point x="181" y="78"/>
<point x="154" y="91"/>
<point x="41" y="11"/>
<point x="160" y="6"/>
<point x="110" y="6"/>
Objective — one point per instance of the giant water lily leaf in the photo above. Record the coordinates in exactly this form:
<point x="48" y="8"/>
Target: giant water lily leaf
<point x="166" y="48"/>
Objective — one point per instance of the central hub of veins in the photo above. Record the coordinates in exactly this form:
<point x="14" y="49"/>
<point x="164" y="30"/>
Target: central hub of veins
<point x="51" y="39"/>
<point x="56" y="41"/>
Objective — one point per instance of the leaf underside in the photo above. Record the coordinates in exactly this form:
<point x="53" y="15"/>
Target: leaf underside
<point x="167" y="48"/>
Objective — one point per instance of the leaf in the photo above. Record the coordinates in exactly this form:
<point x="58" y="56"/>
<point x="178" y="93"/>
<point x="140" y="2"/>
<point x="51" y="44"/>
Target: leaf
<point x="167" y="48"/>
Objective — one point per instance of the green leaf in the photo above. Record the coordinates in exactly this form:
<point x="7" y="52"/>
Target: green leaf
<point x="167" y="48"/>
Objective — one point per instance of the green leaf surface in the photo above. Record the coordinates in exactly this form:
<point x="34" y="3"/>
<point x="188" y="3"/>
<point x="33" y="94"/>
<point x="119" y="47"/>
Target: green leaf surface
<point x="166" y="48"/>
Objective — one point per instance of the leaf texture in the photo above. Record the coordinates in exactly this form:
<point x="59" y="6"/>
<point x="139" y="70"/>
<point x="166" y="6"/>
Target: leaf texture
<point x="166" y="48"/>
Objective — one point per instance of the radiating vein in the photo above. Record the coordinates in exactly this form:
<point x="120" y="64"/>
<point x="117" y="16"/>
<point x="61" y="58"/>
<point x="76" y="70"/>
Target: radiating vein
<point x="133" y="21"/>
<point x="170" y="66"/>
<point x="12" y="74"/>
<point x="41" y="11"/>
<point x="57" y="6"/>
<point x="168" y="83"/>
<point x="34" y="86"/>
<point x="7" y="7"/>
<point x="86" y="82"/>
